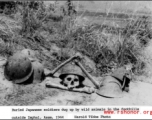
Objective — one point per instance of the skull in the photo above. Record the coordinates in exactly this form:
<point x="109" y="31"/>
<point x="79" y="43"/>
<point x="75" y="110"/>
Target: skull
<point x="71" y="81"/>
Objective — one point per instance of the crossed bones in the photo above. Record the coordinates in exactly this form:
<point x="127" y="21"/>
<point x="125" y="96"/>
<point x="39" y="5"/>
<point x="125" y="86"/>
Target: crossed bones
<point x="77" y="58"/>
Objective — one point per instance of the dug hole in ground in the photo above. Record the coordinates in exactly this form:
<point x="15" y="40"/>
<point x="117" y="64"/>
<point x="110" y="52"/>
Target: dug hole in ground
<point x="10" y="94"/>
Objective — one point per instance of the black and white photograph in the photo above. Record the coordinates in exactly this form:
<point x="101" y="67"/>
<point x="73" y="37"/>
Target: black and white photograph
<point x="75" y="53"/>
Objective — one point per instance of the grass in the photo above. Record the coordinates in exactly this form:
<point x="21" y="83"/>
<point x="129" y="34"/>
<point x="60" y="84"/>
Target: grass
<point x="108" y="46"/>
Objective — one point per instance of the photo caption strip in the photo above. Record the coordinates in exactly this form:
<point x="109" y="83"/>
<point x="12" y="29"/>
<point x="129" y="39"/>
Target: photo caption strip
<point x="75" y="112"/>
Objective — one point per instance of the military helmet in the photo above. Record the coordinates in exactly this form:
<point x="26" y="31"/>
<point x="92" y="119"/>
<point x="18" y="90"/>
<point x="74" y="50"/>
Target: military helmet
<point x="18" y="68"/>
<point x="38" y="74"/>
<point x="110" y="87"/>
<point x="119" y="74"/>
<point x="71" y="69"/>
<point x="29" y="53"/>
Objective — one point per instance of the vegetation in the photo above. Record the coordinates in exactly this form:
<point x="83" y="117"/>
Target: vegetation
<point x="39" y="26"/>
<point x="54" y="30"/>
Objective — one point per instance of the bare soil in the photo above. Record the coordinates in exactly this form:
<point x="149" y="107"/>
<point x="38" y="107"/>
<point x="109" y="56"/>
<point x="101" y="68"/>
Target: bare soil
<point x="139" y="94"/>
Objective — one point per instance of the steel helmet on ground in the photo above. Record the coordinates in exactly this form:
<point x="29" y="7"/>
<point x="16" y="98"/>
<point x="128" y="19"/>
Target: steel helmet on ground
<point x="73" y="70"/>
<point x="119" y="73"/>
<point x="18" y="68"/>
<point x="110" y="87"/>
<point x="38" y="75"/>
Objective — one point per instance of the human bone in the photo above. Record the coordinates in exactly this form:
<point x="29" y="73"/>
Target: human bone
<point x="71" y="81"/>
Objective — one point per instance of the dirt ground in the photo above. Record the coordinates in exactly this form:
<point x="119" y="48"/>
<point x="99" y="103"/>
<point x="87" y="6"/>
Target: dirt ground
<point x="139" y="94"/>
